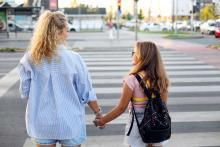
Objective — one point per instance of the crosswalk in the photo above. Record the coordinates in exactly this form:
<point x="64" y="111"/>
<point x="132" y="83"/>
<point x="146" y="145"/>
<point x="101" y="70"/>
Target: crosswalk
<point x="194" y="99"/>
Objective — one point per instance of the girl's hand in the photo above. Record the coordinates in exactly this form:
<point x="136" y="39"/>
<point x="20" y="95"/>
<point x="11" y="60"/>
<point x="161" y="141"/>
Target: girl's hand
<point x="99" y="123"/>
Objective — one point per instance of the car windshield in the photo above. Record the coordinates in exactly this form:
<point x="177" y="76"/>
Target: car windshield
<point x="211" y="24"/>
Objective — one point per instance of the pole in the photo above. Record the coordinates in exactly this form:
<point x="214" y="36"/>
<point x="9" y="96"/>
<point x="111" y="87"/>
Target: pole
<point x="136" y="19"/>
<point x="79" y="13"/>
<point x="173" y="15"/>
<point x="117" y="17"/>
<point x="192" y="16"/>
<point x="176" y="16"/>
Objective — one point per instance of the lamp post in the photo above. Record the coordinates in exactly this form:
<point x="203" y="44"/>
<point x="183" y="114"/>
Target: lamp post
<point x="79" y="16"/>
<point x="176" y="17"/>
<point x="192" y="11"/>
<point x="117" y="18"/>
<point x="136" y="19"/>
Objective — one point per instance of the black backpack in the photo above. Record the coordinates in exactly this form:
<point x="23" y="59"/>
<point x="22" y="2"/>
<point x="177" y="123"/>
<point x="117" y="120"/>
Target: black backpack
<point x="156" y="124"/>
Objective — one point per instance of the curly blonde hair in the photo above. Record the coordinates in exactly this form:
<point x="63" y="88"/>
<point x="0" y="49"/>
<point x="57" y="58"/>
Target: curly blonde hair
<point x="151" y="63"/>
<point x="47" y="35"/>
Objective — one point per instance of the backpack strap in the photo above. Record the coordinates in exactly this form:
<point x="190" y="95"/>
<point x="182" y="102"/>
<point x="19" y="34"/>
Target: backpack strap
<point x="147" y="93"/>
<point x="132" y="122"/>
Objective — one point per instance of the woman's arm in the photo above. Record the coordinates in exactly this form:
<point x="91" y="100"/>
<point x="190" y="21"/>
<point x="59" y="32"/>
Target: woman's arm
<point x="94" y="106"/>
<point x="119" y="109"/>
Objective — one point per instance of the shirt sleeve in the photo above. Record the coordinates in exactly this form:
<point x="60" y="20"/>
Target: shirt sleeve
<point x="25" y="81"/>
<point x="129" y="80"/>
<point x="85" y="90"/>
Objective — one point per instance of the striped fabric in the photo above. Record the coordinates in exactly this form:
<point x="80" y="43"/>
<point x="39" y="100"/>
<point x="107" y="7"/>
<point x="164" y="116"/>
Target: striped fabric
<point x="56" y="93"/>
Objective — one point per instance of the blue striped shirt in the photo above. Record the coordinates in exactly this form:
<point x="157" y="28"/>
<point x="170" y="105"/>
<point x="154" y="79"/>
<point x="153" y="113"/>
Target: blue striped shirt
<point x="57" y="92"/>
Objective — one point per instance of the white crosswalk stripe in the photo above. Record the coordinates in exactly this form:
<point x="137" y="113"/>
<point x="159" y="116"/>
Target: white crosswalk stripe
<point x="107" y="69"/>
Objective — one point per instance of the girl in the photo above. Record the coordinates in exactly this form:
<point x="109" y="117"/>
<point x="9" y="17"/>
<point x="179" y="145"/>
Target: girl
<point x="148" y="64"/>
<point x="56" y="84"/>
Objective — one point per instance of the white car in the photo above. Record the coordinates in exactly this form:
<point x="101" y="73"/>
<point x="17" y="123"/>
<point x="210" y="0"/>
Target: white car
<point x="73" y="28"/>
<point x="154" y="27"/>
<point x="129" y="24"/>
<point x="12" y="26"/>
<point x="182" y="25"/>
<point x="208" y="27"/>
<point x="144" y="26"/>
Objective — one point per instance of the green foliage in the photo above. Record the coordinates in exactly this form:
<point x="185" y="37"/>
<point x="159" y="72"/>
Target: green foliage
<point x="7" y="49"/>
<point x="127" y="16"/>
<point x="185" y="18"/>
<point x="10" y="49"/>
<point x="214" y="46"/>
<point x="140" y="15"/>
<point x="208" y="12"/>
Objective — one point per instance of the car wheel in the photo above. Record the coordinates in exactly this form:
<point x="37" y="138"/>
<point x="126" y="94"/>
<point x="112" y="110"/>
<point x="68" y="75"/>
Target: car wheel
<point x="164" y="30"/>
<point x="72" y="30"/>
<point x="146" y="30"/>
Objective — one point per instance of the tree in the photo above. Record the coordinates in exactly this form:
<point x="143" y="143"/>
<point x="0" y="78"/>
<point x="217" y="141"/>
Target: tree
<point x="208" y="12"/>
<point x="73" y="4"/>
<point x="127" y="16"/>
<point x="140" y="15"/>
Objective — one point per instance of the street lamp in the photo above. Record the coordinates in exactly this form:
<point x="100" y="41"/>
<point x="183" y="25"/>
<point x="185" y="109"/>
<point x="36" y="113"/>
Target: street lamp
<point x="136" y="19"/>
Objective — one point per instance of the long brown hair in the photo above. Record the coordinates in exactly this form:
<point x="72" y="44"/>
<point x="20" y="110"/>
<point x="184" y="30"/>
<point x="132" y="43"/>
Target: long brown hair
<point x="46" y="36"/>
<point x="151" y="63"/>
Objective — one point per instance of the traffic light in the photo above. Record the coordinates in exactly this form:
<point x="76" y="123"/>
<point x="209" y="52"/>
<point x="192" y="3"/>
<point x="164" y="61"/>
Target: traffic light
<point x="119" y="6"/>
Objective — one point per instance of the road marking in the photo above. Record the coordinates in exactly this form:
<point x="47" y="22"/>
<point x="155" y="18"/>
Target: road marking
<point x="129" y="63"/>
<point x="117" y="68"/>
<point x="128" y="55"/>
<point x="8" y="81"/>
<point x="170" y="73"/>
<point x="172" y="80"/>
<point x="177" y="140"/>
<point x="171" y="101"/>
<point x="172" y="89"/>
<point x="123" y="53"/>
<point x="129" y="59"/>
<point x="201" y="116"/>
<point x="9" y="59"/>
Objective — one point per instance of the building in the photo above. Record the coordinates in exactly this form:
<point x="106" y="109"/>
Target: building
<point x="164" y="9"/>
<point x="85" y="18"/>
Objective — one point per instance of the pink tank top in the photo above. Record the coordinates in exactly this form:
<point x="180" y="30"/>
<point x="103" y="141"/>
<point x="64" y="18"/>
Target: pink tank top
<point x="139" y="99"/>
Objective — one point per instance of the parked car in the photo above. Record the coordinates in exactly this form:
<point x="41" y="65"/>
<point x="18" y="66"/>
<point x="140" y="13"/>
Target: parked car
<point x="217" y="30"/>
<point x="208" y="27"/>
<point x="130" y="24"/>
<point x="144" y="26"/>
<point x="73" y="28"/>
<point x="196" y="25"/>
<point x="154" y="27"/>
<point x="16" y="27"/>
<point x="182" y="25"/>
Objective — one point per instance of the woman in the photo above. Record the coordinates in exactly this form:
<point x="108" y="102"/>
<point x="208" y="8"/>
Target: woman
<point x="56" y="84"/>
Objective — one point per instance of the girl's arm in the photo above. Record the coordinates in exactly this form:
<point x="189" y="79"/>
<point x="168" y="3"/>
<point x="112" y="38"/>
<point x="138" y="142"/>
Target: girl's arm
<point x="119" y="109"/>
<point x="164" y="97"/>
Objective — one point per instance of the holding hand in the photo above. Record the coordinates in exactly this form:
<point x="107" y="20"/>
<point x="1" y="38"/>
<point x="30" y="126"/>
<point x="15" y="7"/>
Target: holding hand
<point x="98" y="122"/>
